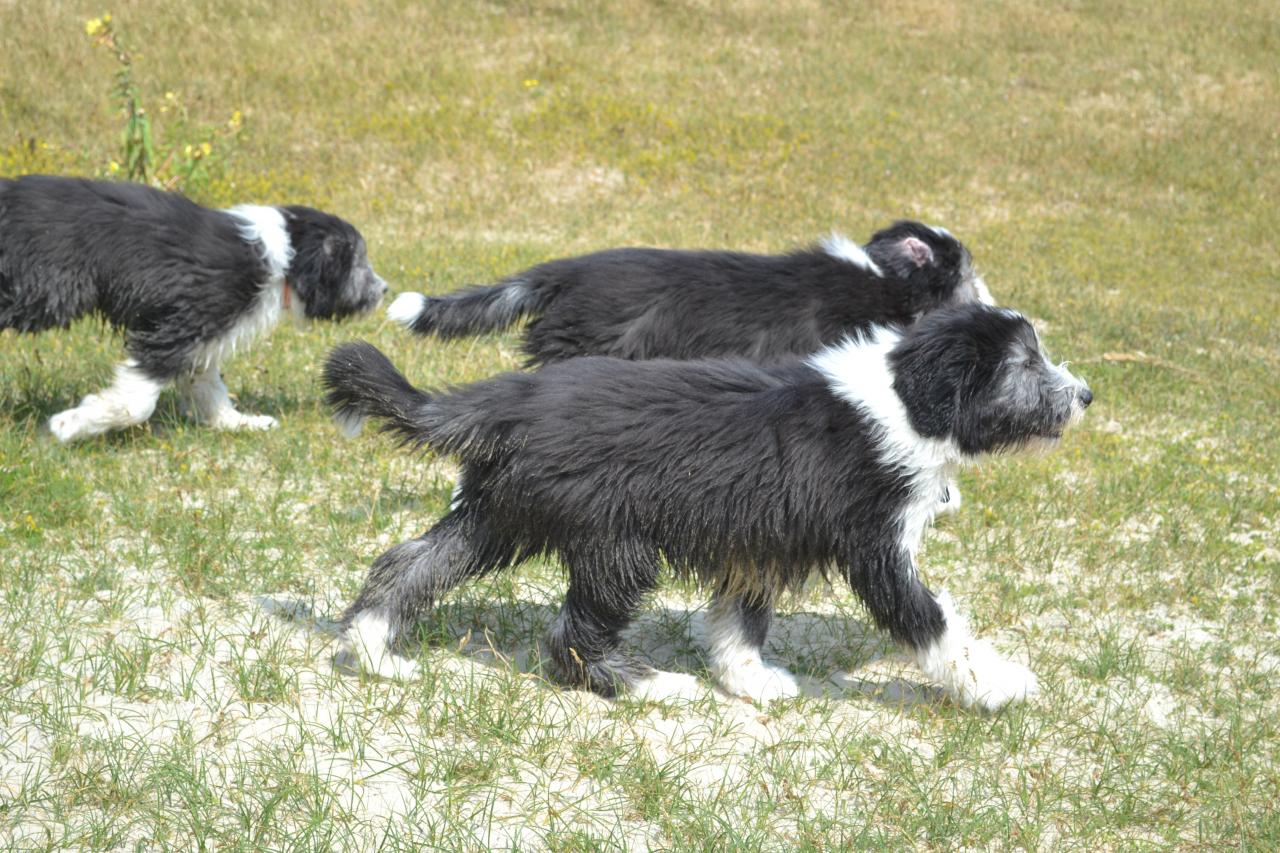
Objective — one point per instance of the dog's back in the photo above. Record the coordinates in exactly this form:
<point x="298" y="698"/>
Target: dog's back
<point x="642" y="304"/>
<point x="639" y="303"/>
<point x="71" y="246"/>
<point x="677" y="449"/>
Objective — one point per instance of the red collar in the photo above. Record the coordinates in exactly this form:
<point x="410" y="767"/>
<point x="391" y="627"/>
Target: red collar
<point x="284" y="296"/>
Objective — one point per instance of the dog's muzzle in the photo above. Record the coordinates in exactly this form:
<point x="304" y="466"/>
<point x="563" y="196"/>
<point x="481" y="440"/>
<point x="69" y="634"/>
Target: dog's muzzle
<point x="1083" y="397"/>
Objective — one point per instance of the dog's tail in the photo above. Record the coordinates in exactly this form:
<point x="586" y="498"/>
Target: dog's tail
<point x="469" y="311"/>
<point x="361" y="383"/>
<point x="474" y="421"/>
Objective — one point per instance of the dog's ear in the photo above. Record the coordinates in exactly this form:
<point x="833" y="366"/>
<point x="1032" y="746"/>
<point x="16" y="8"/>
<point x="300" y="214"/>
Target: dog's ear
<point x="928" y="393"/>
<point x="902" y="251"/>
<point x="917" y="251"/>
<point x="336" y="245"/>
<point x="322" y="257"/>
<point x="927" y="374"/>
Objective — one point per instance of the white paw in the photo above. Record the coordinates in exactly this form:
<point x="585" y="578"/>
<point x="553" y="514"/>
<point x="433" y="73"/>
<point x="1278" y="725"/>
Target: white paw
<point x="406" y="307"/>
<point x="970" y="670"/>
<point x="67" y="426"/>
<point x="1003" y="682"/>
<point x="367" y="638"/>
<point x="238" y="420"/>
<point x="259" y="422"/>
<point x="665" y="686"/>
<point x="759" y="681"/>
<point x="975" y="675"/>
<point x="390" y="666"/>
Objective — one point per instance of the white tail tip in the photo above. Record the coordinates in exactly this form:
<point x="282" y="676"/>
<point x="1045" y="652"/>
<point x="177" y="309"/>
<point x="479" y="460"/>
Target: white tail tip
<point x="406" y="307"/>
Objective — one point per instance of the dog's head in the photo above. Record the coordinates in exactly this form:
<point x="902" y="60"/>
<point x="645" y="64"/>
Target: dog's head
<point x="932" y="259"/>
<point x="330" y="269"/>
<point x="978" y="376"/>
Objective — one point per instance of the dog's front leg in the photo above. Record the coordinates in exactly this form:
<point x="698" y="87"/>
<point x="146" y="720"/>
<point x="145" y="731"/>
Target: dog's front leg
<point x="207" y="398"/>
<point x="970" y="670"/>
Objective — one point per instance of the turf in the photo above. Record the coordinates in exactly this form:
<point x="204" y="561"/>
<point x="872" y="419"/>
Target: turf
<point x="167" y="593"/>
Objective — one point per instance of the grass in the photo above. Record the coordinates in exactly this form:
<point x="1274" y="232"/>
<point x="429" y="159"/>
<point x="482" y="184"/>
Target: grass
<point x="166" y="592"/>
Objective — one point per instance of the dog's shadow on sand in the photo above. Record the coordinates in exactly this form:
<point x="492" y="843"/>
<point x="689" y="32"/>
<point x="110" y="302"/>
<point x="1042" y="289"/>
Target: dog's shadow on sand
<point x="832" y="655"/>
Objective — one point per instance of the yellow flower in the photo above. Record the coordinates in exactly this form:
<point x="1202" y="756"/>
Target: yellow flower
<point x="93" y="26"/>
<point x="113" y="167"/>
<point x="529" y="84"/>
<point x="186" y="150"/>
<point x="236" y="120"/>
<point x="106" y="18"/>
<point x="206" y="149"/>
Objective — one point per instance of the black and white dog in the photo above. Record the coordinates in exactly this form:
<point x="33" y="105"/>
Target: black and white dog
<point x="657" y="303"/>
<point x="750" y="477"/>
<point x="186" y="284"/>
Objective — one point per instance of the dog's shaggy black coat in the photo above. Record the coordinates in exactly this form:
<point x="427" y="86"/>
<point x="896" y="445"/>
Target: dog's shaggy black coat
<point x="185" y="284"/>
<point x="170" y="273"/>
<point x="750" y="477"/>
<point x="638" y="303"/>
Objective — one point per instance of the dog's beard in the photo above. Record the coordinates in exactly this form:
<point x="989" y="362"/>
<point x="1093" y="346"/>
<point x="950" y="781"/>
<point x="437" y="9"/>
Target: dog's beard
<point x="1040" y="445"/>
<point x="1077" y="414"/>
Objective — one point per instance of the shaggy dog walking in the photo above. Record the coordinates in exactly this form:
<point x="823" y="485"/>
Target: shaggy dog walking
<point x="659" y="303"/>
<point x="187" y="285"/>
<point x="749" y="477"/>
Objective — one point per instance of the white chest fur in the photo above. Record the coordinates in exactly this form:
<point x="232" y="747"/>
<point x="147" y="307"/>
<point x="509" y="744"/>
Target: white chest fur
<point x="265" y="228"/>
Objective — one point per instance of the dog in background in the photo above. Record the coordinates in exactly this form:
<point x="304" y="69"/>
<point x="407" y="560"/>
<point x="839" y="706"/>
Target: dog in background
<point x="187" y="285"/>
<point x="657" y="303"/>
<point x="750" y="477"/>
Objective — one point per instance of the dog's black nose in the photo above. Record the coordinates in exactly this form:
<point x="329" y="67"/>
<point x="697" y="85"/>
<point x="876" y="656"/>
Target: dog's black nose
<point x="1086" y="397"/>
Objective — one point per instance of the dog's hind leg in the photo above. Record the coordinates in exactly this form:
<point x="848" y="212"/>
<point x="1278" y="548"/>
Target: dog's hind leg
<point x="407" y="580"/>
<point x="129" y="400"/>
<point x="736" y="628"/>
<point x="206" y="396"/>
<point x="605" y="590"/>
